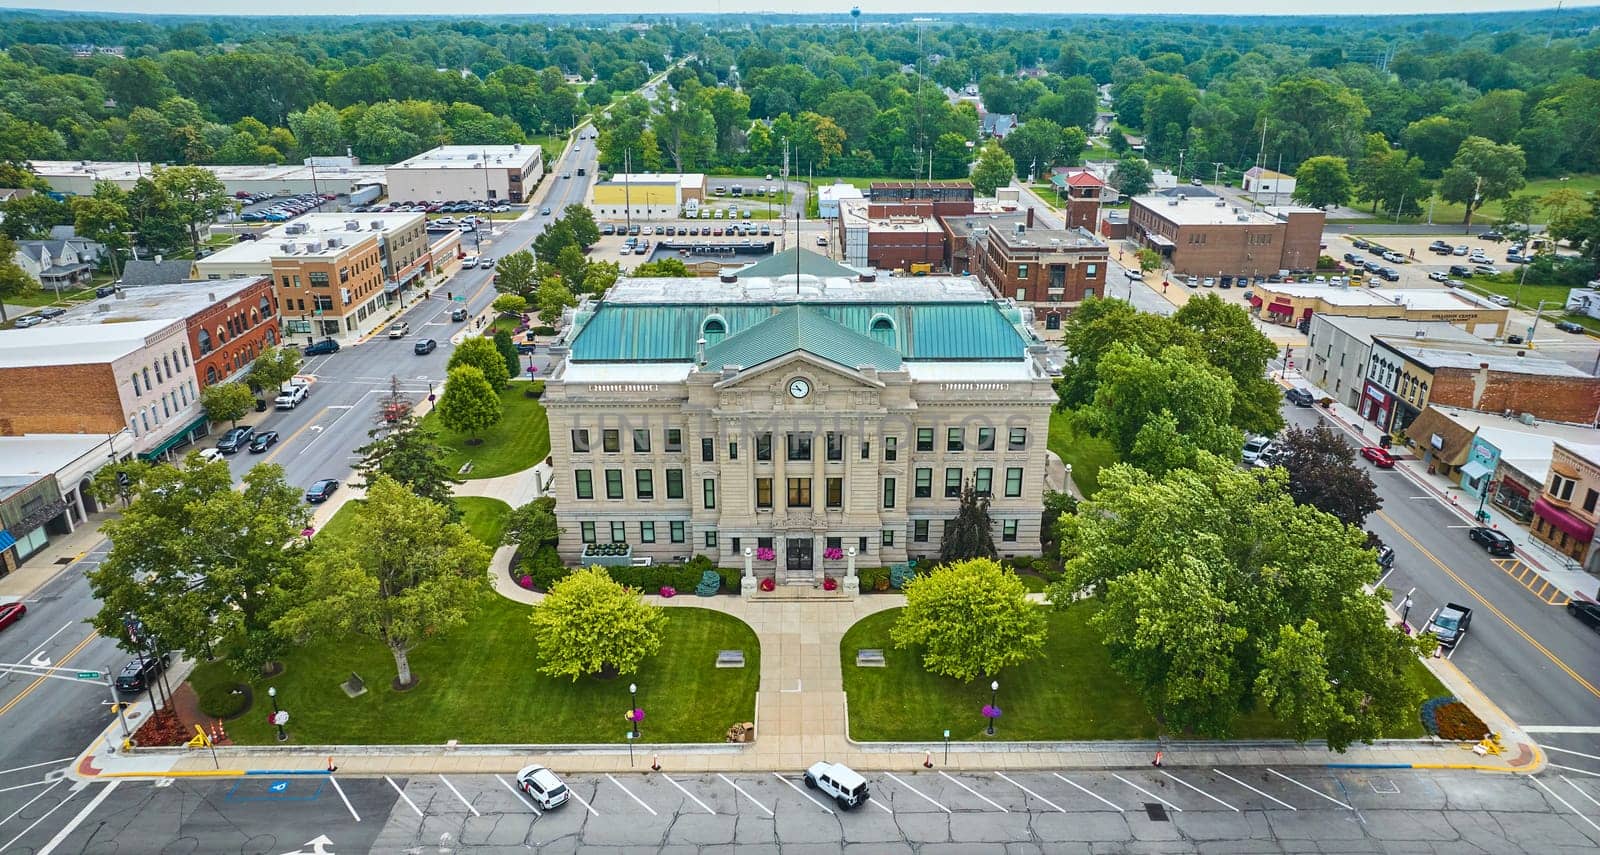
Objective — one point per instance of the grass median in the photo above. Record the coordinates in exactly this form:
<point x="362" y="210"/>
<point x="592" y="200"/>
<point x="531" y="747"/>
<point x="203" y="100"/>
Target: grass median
<point x="520" y="441"/>
<point x="1071" y="692"/>
<point x="478" y="685"/>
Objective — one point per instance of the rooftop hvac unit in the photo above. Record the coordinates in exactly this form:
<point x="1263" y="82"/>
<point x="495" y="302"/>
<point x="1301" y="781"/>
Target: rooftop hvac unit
<point x="102" y="308"/>
<point x="333" y="242"/>
<point x="377" y="225"/>
<point x="1528" y="419"/>
<point x="1021" y="229"/>
<point x="295" y="229"/>
<point x="1172" y="203"/>
<point x="314" y="246"/>
<point x="286" y="248"/>
<point x="1223" y="203"/>
<point x="211" y="297"/>
<point x="1420" y="334"/>
<point x="352" y="225"/>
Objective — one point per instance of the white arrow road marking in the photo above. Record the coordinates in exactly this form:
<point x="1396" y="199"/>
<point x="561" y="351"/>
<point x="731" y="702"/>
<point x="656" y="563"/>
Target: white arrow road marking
<point x="38" y="652"/>
<point x="318" y="846"/>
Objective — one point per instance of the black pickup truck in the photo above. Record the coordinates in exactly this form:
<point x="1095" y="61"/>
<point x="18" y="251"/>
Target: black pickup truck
<point x="1450" y="624"/>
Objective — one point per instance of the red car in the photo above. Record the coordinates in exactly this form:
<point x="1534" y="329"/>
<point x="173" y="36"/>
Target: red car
<point x="10" y="613"/>
<point x="1380" y="457"/>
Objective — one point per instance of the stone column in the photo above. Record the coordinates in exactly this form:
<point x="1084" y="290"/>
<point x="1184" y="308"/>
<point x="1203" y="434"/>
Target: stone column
<point x="747" y="583"/>
<point x="852" y="583"/>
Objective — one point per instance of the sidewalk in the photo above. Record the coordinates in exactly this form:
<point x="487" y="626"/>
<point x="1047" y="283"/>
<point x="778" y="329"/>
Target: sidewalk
<point x="60" y="553"/>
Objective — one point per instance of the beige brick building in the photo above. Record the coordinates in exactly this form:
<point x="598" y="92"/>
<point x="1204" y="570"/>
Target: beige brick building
<point x="710" y="417"/>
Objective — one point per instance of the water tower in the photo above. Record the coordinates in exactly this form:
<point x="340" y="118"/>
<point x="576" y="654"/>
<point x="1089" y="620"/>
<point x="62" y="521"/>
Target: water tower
<point x="855" y="17"/>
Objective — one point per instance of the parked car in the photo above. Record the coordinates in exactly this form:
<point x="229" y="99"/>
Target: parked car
<point x="1495" y="542"/>
<point x="1450" y="624"/>
<point x="1460" y="270"/>
<point x="321" y="491"/>
<point x="1514" y="339"/>
<point x="1486" y="270"/>
<point x="1385" y="556"/>
<point x="320" y="348"/>
<point x="1587" y="613"/>
<point x="1500" y="300"/>
<point x="10" y="613"/>
<point x="1454" y="283"/>
<point x="210" y="455"/>
<point x="542" y="786"/>
<point x="28" y="321"/>
<point x="1460" y="250"/>
<point x="1254" y="447"/>
<point x="1299" y="397"/>
<point x="399" y="329"/>
<point x="1358" y="243"/>
<point x="424" y="346"/>
<point x="1569" y="326"/>
<point x="137" y="674"/>
<point x="52" y="312"/>
<point x="1390" y="274"/>
<point x="1380" y="457"/>
<point x="1438" y="276"/>
<point x="458" y="314"/>
<point x="843" y="784"/>
<point x="1492" y="235"/>
<point x="545" y="211"/>
<point x="235" y="439"/>
<point x="263" y="441"/>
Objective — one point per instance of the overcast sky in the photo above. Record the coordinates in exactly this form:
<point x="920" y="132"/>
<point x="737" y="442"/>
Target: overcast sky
<point x="657" y="7"/>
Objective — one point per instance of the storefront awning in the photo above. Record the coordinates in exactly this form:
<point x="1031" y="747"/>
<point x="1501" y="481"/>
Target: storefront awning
<point x="1160" y="240"/>
<point x="391" y="287"/>
<point x="1563" y="520"/>
<point x="176" y="439"/>
<point x="6" y="540"/>
<point x="1278" y="308"/>
<point x="1256" y="301"/>
<point x="1474" y="470"/>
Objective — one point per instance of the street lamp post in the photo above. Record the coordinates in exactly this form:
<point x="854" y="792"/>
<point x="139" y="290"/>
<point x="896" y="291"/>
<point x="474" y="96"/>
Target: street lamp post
<point x="277" y="717"/>
<point x="634" y="713"/>
<point x="994" y="709"/>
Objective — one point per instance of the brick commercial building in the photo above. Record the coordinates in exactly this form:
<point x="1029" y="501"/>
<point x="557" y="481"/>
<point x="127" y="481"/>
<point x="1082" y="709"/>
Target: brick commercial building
<point x="1339" y="348"/>
<point x="101" y="379"/>
<point x="336" y="275"/>
<point x="1566" y="510"/>
<point x="1211" y="237"/>
<point x="647" y="196"/>
<point x="890" y="237"/>
<point x="1405" y="375"/>
<point x="964" y="236"/>
<point x="1292" y="305"/>
<point x="1049" y="270"/>
<point x="229" y="321"/>
<point x="947" y="198"/>
<point x="485" y="173"/>
<point x="1081" y="193"/>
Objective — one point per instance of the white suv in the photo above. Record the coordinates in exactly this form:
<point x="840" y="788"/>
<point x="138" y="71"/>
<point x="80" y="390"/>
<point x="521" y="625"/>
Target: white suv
<point x="841" y="782"/>
<point x="542" y="785"/>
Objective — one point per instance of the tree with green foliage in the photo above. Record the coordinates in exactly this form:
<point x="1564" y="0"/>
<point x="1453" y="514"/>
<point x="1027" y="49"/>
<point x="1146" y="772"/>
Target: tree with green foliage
<point x="32" y="216"/>
<point x="1516" y="214"/>
<point x="1389" y="178"/>
<point x="198" y="197"/>
<point x="573" y="266"/>
<point x="1092" y="330"/>
<point x="201" y="563"/>
<point x="970" y="534"/>
<point x="469" y="404"/>
<point x="510" y="304"/>
<point x="400" y="572"/>
<point x="600" y="276"/>
<point x="273" y="367"/>
<point x="482" y="354"/>
<point x="227" y="402"/>
<point x="410" y="454"/>
<point x="513" y="274"/>
<point x="1160" y="412"/>
<point x="662" y="267"/>
<point x="1149" y="260"/>
<point x="1322" y="181"/>
<point x="970" y="619"/>
<point x="1482" y="171"/>
<point x="534" y="524"/>
<point x="580" y="221"/>
<point x="1564" y="209"/>
<point x="1198" y="573"/>
<point x="552" y="299"/>
<point x="1228" y="337"/>
<point x="14" y="281"/>
<point x="1133" y="176"/>
<point x="993" y="170"/>
<point x="103" y="217"/>
<point x="588" y="624"/>
<point x="1324" y="474"/>
<point x="158" y="223"/>
<point x="508" y="352"/>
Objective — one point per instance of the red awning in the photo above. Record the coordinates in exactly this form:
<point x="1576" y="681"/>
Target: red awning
<point x="1509" y="486"/>
<point x="1256" y="301"/>
<point x="1564" y="520"/>
<point x="1278" y="308"/>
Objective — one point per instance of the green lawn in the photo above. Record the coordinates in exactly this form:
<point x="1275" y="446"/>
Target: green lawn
<point x="484" y="517"/>
<point x="47" y="296"/>
<point x="521" y="439"/>
<point x="1086" y="454"/>
<point x="478" y="685"/>
<point x="1069" y="693"/>
<point x="504" y="322"/>
<point x="1450" y="213"/>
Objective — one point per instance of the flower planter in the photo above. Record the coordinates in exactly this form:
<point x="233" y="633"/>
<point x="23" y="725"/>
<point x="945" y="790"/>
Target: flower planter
<point x="830" y="584"/>
<point x="768" y="584"/>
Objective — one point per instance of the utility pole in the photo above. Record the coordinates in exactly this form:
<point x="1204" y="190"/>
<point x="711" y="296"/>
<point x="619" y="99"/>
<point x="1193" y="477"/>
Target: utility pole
<point x="1180" y="164"/>
<point x="1277" y="182"/>
<point x="1217" y="179"/>
<point x="627" y="188"/>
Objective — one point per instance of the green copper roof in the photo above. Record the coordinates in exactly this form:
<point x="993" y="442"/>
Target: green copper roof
<point x="782" y="264"/>
<point x="802" y="328"/>
<point x="655" y="332"/>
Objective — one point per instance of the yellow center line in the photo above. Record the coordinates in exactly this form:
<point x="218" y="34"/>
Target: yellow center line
<point x="35" y="684"/>
<point x="1490" y="606"/>
<point x="283" y="442"/>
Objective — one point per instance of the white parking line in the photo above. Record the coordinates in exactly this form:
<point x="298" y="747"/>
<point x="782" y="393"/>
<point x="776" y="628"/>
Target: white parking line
<point x="689" y="794"/>
<point x="1565" y="751"/>
<point x="1200" y="791"/>
<point x="1147" y="792"/>
<point x="631" y="795"/>
<point x="1557" y="797"/>
<point x="881" y="806"/>
<point x="523" y="798"/>
<point x="335" y="782"/>
<point x="66" y="830"/>
<point x="1059" y="809"/>
<point x="47" y="813"/>
<point x="403" y="795"/>
<point x="37" y="765"/>
<point x="1310" y="789"/>
<point x="29" y="802"/>
<point x="38" y="783"/>
<point x="974" y="792"/>
<point x="803" y="792"/>
<point x="745" y="794"/>
<point x="1551" y="765"/>
<point x="925" y="797"/>
<point x="1254" y="790"/>
<point x="1592" y="799"/>
<point x="459" y="796"/>
<point x="1088" y="792"/>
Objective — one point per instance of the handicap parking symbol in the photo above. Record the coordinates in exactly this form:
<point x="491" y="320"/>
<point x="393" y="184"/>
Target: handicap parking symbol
<point x="278" y="786"/>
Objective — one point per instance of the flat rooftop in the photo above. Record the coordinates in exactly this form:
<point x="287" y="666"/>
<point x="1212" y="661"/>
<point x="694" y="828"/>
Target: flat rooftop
<point x="157" y="302"/>
<point x="1414" y="298"/>
<point x="1205" y="212"/>
<point x="36" y="455"/>
<point x="471" y="157"/>
<point x="839" y="191"/>
<point x="318" y="227"/>
<point x="853" y="212"/>
<point x="1441" y="354"/>
<point x="1049" y="239"/>
<point x="49" y="344"/>
<point x="1526" y="447"/>
<point x="682" y="179"/>
<point x="811" y="289"/>
<point x="1371" y="328"/>
<point x="964" y="226"/>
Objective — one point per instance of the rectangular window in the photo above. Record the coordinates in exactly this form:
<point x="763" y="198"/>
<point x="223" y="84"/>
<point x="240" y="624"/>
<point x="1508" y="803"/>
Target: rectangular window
<point x="924" y="485"/>
<point x="136" y="391"/>
<point x="866" y="449"/>
<point x="799" y="446"/>
<point x="1561" y="488"/>
<point x="708" y="450"/>
<point x="891" y="449"/>
<point x="734" y="546"/>
<point x="641" y="441"/>
<point x="981" y="480"/>
<point x="613" y="483"/>
<point x="1013" y="482"/>
<point x="888" y="492"/>
<point x="955" y="439"/>
<point x="733" y="450"/>
<point x="1590" y="500"/>
<point x="674" y="483"/>
<point x="580" y="441"/>
<point x="835" y="492"/>
<point x="924" y="439"/>
<point x="763" y="543"/>
<point x="986" y="439"/>
<point x="587" y="529"/>
<point x="952" y="483"/>
<point x="644" y="485"/>
<point x="834" y="543"/>
<point x="619" y="532"/>
<point x="647" y="532"/>
<point x="711" y="540"/>
<point x="835" y="442"/>
<point x="677" y="534"/>
<point x="610" y="441"/>
<point x="584" y="479"/>
<point x="799" y="492"/>
<point x="764" y="447"/>
<point x="1008" y="531"/>
<point x="763" y="492"/>
<point x="861" y="544"/>
<point x="674" y="439"/>
<point x="1019" y="439"/>
<point x="708" y="490"/>
<point x="887" y="537"/>
<point x="919" y="531"/>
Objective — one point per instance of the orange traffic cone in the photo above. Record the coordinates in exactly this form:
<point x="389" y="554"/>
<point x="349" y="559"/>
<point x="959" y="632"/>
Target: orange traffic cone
<point x="927" y="759"/>
<point x="655" y="763"/>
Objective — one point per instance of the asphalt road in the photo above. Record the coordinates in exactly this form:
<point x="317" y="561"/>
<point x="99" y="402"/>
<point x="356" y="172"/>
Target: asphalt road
<point x="1176" y="809"/>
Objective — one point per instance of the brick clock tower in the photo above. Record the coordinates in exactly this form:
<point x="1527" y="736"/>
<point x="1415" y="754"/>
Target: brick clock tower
<point x="1083" y="196"/>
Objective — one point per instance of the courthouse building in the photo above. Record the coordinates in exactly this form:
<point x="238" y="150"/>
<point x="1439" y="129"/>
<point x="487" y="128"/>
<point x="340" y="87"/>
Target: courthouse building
<point x="806" y="414"/>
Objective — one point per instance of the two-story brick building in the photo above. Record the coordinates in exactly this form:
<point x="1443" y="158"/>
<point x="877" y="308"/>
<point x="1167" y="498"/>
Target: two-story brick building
<point x="1209" y="236"/>
<point x="1049" y="270"/>
<point x="1566" y="512"/>
<point x="1405" y="375"/>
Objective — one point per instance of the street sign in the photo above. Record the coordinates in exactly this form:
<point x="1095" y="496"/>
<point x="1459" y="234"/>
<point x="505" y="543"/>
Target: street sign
<point x="461" y="299"/>
<point x="88" y="675"/>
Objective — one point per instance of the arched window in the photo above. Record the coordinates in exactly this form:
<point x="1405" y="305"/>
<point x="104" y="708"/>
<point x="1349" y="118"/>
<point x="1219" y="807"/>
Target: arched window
<point x="272" y="338"/>
<point x="266" y="308"/>
<point x="222" y="335"/>
<point x="883" y="331"/>
<point x="715" y="329"/>
<point x="211" y="374"/>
